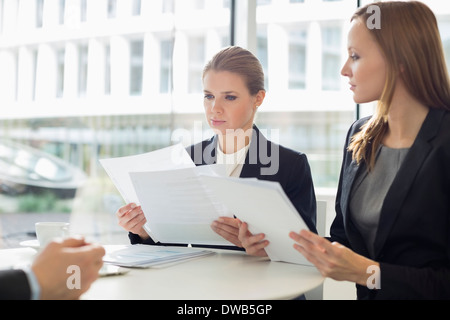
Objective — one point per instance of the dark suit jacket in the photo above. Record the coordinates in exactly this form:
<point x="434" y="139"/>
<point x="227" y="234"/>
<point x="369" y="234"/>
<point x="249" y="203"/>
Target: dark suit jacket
<point x="413" y="239"/>
<point x="266" y="160"/>
<point x="14" y="285"/>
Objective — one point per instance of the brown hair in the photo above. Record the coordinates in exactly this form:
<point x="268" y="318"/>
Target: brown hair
<point x="240" y="61"/>
<point x="411" y="44"/>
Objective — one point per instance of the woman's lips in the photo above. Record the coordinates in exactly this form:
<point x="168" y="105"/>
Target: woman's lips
<point x="216" y="123"/>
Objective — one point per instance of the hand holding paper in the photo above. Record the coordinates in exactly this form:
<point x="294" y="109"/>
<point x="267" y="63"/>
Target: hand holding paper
<point x="266" y="209"/>
<point x="118" y="169"/>
<point x="181" y="200"/>
<point x="178" y="208"/>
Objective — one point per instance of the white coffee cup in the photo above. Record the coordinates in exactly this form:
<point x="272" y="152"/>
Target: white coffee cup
<point x="47" y="231"/>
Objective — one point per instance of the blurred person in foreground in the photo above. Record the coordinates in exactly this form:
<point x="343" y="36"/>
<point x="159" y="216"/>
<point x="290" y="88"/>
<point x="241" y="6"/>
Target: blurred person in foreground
<point x="48" y="276"/>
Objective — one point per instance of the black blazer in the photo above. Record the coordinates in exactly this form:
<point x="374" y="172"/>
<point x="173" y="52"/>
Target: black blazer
<point x="14" y="285"/>
<point x="266" y="160"/>
<point x="412" y="243"/>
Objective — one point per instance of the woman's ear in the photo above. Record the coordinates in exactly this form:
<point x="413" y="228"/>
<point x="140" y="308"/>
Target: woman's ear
<point x="260" y="98"/>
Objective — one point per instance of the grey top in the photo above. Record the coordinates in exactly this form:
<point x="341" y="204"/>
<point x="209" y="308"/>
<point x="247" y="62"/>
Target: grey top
<point x="370" y="189"/>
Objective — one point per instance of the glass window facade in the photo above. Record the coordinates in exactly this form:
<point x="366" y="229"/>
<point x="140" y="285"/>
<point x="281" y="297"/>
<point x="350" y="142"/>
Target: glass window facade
<point x="115" y="78"/>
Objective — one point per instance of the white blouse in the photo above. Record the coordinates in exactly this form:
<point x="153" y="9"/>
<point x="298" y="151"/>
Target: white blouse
<point x="233" y="161"/>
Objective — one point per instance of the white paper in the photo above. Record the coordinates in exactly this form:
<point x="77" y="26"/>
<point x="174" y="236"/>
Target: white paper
<point x="144" y="256"/>
<point x="178" y="207"/>
<point x="264" y="206"/>
<point x="118" y="169"/>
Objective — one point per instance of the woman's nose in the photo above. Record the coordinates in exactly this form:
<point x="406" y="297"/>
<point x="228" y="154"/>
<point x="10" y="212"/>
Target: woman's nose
<point x="216" y="107"/>
<point x="345" y="71"/>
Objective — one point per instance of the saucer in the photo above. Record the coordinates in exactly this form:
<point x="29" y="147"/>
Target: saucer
<point x="30" y="243"/>
<point x="111" y="270"/>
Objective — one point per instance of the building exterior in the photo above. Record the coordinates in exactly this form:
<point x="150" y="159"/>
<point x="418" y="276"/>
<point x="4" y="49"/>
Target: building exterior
<point x="85" y="79"/>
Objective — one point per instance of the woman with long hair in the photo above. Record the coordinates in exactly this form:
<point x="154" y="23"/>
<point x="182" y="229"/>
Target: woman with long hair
<point x="391" y="234"/>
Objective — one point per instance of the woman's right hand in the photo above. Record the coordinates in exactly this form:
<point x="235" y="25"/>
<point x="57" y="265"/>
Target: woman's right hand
<point x="253" y="244"/>
<point x="132" y="218"/>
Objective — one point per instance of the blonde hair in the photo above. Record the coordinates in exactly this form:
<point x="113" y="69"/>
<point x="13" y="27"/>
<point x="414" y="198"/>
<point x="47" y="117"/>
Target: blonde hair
<point x="411" y="44"/>
<point x="242" y="62"/>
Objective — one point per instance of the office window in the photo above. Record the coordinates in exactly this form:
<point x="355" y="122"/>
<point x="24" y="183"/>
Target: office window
<point x="61" y="11"/>
<point x="444" y="27"/>
<point x="82" y="70"/>
<point x="83" y="10"/>
<point x="16" y="73"/>
<point x="225" y="41"/>
<point x="305" y="103"/>
<point x="263" y="54"/>
<point x="300" y="47"/>
<point x="331" y="57"/>
<point x="168" y="6"/>
<point x="297" y="59"/>
<point x="196" y="62"/>
<point x="60" y="56"/>
<point x="34" y="73"/>
<point x="112" y="9"/>
<point x="299" y="43"/>
<point x="136" y="8"/>
<point x="165" y="85"/>
<point x="198" y="4"/>
<point x="2" y="18"/>
<point x="263" y="2"/>
<point x="107" y="66"/>
<point x="39" y="13"/>
<point x="136" y="66"/>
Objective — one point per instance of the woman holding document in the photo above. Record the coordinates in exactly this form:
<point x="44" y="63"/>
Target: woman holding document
<point x="391" y="234"/>
<point x="233" y="84"/>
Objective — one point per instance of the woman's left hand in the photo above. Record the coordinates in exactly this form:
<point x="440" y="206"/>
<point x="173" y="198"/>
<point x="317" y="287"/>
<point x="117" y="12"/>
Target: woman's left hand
<point x="333" y="259"/>
<point x="228" y="228"/>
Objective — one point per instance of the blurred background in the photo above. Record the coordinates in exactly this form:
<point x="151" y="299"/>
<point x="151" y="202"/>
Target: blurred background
<point x="83" y="80"/>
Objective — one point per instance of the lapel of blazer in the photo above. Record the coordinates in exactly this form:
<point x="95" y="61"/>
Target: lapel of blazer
<point x="210" y="151"/>
<point x="253" y="156"/>
<point x="405" y="177"/>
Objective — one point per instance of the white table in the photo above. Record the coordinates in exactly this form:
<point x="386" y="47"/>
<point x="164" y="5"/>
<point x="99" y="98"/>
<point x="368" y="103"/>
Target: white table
<point x="225" y="275"/>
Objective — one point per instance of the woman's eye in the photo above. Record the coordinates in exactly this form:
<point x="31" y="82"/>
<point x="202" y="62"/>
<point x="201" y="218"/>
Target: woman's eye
<point x="209" y="96"/>
<point x="354" y="57"/>
<point x="230" y="98"/>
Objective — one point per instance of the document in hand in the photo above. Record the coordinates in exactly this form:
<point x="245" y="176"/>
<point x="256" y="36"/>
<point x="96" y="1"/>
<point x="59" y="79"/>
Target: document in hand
<point x="178" y="207"/>
<point x="118" y="169"/>
<point x="144" y="256"/>
<point x="264" y="206"/>
<point x="166" y="184"/>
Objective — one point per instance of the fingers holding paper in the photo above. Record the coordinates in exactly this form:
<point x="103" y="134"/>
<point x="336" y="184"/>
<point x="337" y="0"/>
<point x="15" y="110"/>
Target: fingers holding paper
<point x="228" y="228"/>
<point x="331" y="258"/>
<point x="132" y="218"/>
<point x="253" y="244"/>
